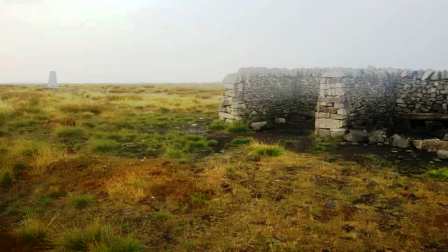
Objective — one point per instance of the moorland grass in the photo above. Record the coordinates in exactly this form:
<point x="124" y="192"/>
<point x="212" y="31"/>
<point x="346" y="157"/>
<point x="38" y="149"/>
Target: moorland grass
<point x="32" y="231"/>
<point x="81" y="201"/>
<point x="148" y="155"/>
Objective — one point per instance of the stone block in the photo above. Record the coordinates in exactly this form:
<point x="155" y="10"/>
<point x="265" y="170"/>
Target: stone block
<point x="337" y="132"/>
<point x="322" y="115"/>
<point x="427" y="75"/>
<point x="323" y="132"/>
<point x="338" y="116"/>
<point x="325" y="123"/>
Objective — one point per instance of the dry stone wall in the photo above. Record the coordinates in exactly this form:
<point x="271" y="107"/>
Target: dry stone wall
<point x="270" y="96"/>
<point x="341" y="99"/>
<point x="423" y="94"/>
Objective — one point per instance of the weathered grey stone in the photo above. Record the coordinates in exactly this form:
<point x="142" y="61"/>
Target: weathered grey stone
<point x="323" y="132"/>
<point x="326" y="123"/>
<point x="258" y="125"/>
<point x="377" y="136"/>
<point x="442" y="154"/>
<point x="445" y="75"/>
<point x="356" y="136"/>
<point x="400" y="141"/>
<point x="52" y="80"/>
<point x="427" y="75"/>
<point x="418" y="144"/>
<point x="435" y="76"/>
<point x="280" y="120"/>
<point x="369" y="98"/>
<point x="337" y="132"/>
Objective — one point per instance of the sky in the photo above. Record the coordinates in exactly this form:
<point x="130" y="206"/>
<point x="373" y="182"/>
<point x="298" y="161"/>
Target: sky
<point x="203" y="40"/>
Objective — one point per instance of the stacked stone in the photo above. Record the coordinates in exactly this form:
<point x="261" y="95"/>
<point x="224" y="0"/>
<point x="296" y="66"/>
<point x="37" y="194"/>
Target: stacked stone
<point x="361" y="100"/>
<point x="233" y="107"/>
<point x="423" y="93"/>
<point x="371" y="98"/>
<point x="265" y="96"/>
<point x="331" y="113"/>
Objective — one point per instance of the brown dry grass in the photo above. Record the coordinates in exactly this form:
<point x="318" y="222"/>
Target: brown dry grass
<point x="205" y="201"/>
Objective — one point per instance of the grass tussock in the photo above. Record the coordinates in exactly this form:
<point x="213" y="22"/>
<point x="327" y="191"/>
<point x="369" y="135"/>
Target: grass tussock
<point x="32" y="232"/>
<point x="265" y="150"/>
<point x="98" y="237"/>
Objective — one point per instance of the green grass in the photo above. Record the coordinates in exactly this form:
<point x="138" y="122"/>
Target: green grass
<point x="263" y="150"/>
<point x="217" y="125"/>
<point x="71" y="136"/>
<point x="238" y="127"/>
<point x="441" y="174"/>
<point x="105" y="146"/>
<point x="240" y="141"/>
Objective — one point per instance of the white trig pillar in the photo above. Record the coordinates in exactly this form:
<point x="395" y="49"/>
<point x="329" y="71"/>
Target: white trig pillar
<point x="52" y="80"/>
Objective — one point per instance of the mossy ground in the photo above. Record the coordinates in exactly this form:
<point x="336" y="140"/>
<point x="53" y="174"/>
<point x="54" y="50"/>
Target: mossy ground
<point x="153" y="170"/>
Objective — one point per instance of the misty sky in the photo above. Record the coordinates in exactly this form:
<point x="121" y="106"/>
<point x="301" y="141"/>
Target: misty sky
<point x="203" y="40"/>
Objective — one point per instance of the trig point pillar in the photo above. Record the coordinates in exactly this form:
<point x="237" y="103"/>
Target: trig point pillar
<point x="52" y="80"/>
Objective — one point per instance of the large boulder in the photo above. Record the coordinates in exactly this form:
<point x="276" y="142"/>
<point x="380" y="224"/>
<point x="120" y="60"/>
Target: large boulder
<point x="356" y="136"/>
<point x="430" y="145"/>
<point x="442" y="154"/>
<point x="377" y="136"/>
<point x="400" y="141"/>
<point x="258" y="125"/>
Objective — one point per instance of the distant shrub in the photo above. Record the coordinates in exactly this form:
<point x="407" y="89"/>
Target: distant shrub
<point x="217" y="125"/>
<point x="441" y="174"/>
<point x="97" y="237"/>
<point x="32" y="231"/>
<point x="240" y="141"/>
<point x="71" y="136"/>
<point x="81" y="201"/>
<point x="238" y="127"/>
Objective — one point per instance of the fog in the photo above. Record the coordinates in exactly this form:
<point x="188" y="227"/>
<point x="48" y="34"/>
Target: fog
<point x="202" y="40"/>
